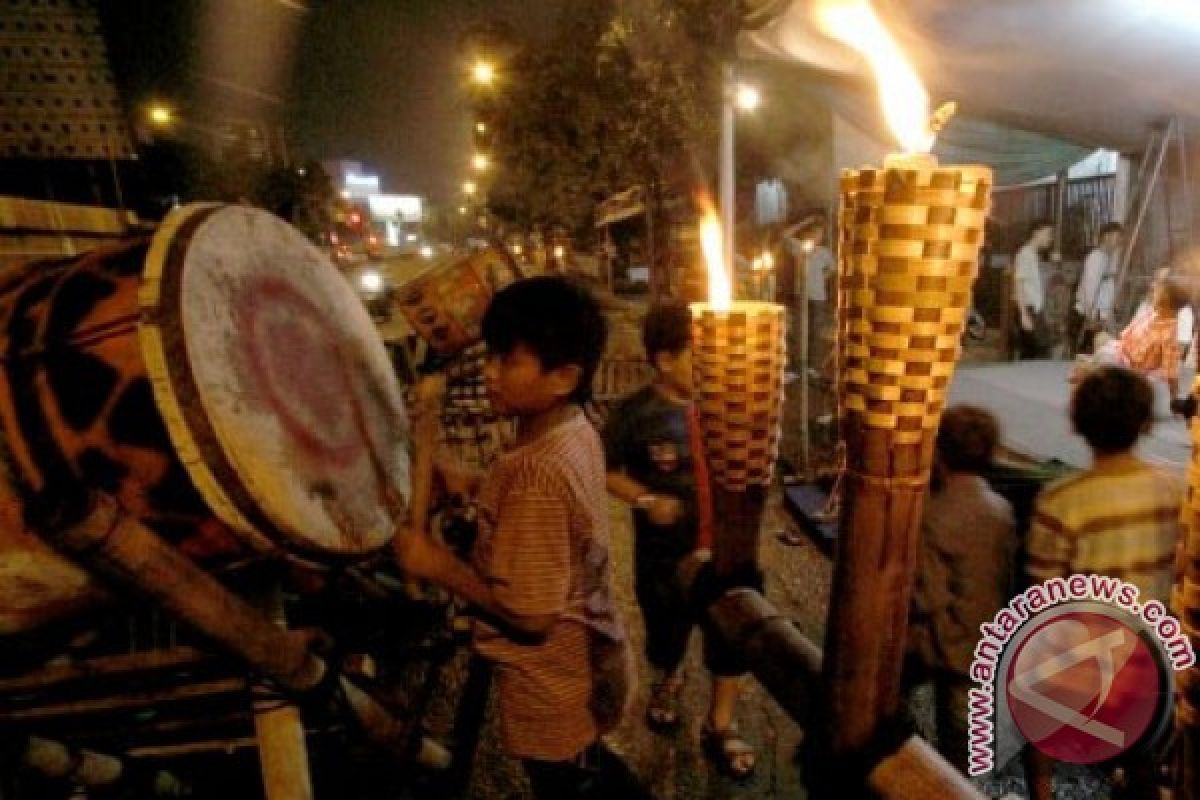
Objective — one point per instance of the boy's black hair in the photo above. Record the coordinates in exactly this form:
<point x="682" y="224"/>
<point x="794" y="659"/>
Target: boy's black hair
<point x="666" y="329"/>
<point x="557" y="319"/>
<point x="966" y="439"/>
<point x="1111" y="407"/>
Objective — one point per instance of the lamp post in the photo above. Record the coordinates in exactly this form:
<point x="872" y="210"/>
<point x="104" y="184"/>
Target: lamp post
<point x="735" y="97"/>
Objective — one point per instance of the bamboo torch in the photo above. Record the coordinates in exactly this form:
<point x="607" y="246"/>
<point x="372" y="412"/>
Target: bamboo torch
<point x="1185" y="603"/>
<point x="738" y="359"/>
<point x="910" y="235"/>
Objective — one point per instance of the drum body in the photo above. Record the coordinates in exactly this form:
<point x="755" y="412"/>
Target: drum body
<point x="220" y="379"/>
<point x="445" y="304"/>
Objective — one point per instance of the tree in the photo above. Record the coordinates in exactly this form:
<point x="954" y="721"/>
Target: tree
<point x="620" y="94"/>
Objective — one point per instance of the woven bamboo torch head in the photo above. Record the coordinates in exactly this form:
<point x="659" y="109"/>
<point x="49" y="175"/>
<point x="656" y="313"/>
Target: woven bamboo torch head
<point x="908" y="256"/>
<point x="738" y="358"/>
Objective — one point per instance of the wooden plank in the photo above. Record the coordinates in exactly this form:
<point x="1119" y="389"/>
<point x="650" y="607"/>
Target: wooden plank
<point x="19" y="213"/>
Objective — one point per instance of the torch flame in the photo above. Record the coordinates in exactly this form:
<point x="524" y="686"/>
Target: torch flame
<point x="720" y="289"/>
<point x="902" y="95"/>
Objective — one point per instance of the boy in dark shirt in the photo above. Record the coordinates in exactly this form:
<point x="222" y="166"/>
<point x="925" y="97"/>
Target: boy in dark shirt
<point x="652" y="446"/>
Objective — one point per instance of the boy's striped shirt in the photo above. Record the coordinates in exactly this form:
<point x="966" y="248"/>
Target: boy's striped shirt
<point x="1120" y="519"/>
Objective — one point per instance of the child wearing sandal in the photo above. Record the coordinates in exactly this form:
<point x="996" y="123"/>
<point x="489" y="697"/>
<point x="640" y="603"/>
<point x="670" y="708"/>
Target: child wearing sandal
<point x="652" y="445"/>
<point x="539" y="577"/>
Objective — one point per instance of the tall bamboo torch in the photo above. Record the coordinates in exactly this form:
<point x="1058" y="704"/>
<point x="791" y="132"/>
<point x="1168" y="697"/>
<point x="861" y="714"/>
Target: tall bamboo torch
<point x="910" y="235"/>
<point x="1185" y="603"/>
<point x="738" y="358"/>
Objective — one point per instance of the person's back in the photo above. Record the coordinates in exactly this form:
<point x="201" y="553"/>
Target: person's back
<point x="964" y="579"/>
<point x="1120" y="518"/>
<point x="964" y="569"/>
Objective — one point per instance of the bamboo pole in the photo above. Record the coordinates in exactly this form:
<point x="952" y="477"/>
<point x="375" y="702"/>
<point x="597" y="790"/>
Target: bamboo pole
<point x="1185" y="603"/>
<point x="910" y="240"/>
<point x="278" y="725"/>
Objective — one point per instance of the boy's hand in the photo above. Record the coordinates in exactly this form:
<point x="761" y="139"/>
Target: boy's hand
<point x="664" y="510"/>
<point x="416" y="553"/>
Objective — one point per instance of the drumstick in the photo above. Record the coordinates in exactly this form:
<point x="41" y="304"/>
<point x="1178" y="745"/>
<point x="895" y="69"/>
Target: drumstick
<point x="425" y="438"/>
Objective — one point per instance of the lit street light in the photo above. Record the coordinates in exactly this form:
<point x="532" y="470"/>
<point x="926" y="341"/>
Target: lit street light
<point x="747" y="97"/>
<point x="483" y="73"/>
<point x="469" y="187"/>
<point x="480" y="127"/>
<point x="159" y="115"/>
<point x="480" y="162"/>
<point x="371" y="281"/>
<point x="462" y="210"/>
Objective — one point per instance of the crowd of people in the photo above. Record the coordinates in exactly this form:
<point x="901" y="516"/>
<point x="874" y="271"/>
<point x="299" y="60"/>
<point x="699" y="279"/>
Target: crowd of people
<point x="539" y="576"/>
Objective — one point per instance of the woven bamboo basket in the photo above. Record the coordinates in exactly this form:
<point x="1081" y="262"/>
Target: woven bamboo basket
<point x="909" y="252"/>
<point x="909" y="247"/>
<point x="738" y="360"/>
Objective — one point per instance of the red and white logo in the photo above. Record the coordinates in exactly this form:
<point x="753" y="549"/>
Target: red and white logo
<point x="1086" y="686"/>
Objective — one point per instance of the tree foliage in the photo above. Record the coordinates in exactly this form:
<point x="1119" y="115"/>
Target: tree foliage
<point x="622" y="93"/>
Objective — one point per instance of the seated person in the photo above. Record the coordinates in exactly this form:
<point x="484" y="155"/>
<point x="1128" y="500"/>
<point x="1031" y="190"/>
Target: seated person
<point x="1148" y="344"/>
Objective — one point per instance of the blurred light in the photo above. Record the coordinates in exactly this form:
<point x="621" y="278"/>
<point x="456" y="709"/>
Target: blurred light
<point x="768" y="261"/>
<point x="480" y="161"/>
<point x="355" y="218"/>
<point x="345" y="194"/>
<point x="560" y="252"/>
<point x="516" y="249"/>
<point x="301" y="171"/>
<point x="757" y="264"/>
<point x="333" y="238"/>
<point x="480" y="127"/>
<point x="426" y="251"/>
<point x="808" y="245"/>
<point x="370" y="281"/>
<point x="412" y="237"/>
<point x="1176" y="10"/>
<point x="462" y="209"/>
<point x="469" y="187"/>
<point x="372" y="239"/>
<point x="483" y="73"/>
<point x="747" y="97"/>
<point x="160" y="115"/>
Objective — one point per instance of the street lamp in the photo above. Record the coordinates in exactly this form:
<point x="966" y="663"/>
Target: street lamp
<point x="747" y="97"/>
<point x="480" y="162"/>
<point x="462" y="210"/>
<point x="483" y="73"/>
<point x="481" y="127"/>
<point x="469" y="187"/>
<point x="736" y="96"/>
<point x="160" y="116"/>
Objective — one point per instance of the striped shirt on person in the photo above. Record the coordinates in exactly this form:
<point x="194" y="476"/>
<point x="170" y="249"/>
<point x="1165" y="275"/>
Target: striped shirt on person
<point x="543" y="548"/>
<point x="1120" y="519"/>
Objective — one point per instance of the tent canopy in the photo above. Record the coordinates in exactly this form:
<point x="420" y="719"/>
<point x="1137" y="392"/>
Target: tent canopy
<point x="1096" y="73"/>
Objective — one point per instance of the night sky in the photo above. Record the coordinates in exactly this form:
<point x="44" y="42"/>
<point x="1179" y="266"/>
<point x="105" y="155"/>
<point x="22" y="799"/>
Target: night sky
<point x="379" y="81"/>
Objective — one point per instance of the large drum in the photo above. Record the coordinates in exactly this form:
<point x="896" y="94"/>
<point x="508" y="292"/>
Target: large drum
<point x="221" y="379"/>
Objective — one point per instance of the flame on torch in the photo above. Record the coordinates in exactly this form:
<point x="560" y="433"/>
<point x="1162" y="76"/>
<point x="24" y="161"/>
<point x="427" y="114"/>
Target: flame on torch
<point x="720" y="288"/>
<point x="902" y="95"/>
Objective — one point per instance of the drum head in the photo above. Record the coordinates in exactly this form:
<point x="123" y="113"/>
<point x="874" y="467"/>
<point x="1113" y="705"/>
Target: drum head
<point x="277" y="391"/>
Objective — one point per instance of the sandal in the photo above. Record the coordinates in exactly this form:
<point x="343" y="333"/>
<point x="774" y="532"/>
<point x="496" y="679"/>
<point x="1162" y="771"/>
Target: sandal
<point x="731" y="754"/>
<point x="662" y="712"/>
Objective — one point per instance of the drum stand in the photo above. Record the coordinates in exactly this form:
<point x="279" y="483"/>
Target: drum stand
<point x="111" y="543"/>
